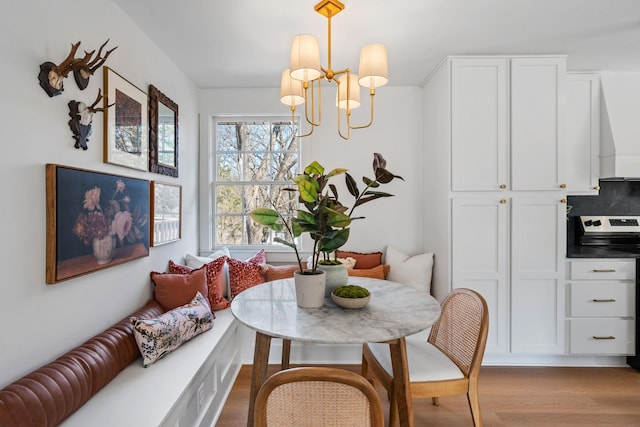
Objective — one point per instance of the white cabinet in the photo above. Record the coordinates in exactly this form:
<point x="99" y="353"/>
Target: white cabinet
<point x="493" y="169"/>
<point x="479" y="259"/>
<point x="583" y="133"/>
<point x="601" y="306"/>
<point x="479" y="124"/>
<point x="538" y="230"/>
<point x="507" y="121"/>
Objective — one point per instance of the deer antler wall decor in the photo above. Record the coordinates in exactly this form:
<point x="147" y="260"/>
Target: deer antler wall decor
<point x="51" y="76"/>
<point x="85" y="71"/>
<point x="81" y="117"/>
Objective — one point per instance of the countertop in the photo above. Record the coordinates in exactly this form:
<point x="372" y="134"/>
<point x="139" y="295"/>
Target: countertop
<point x="576" y="251"/>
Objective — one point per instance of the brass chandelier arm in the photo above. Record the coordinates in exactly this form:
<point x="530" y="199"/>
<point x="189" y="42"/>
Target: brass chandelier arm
<point x="293" y="120"/>
<point x="312" y="120"/>
<point x="372" y="93"/>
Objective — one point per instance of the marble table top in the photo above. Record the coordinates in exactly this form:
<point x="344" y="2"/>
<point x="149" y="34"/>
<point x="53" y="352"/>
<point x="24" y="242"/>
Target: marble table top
<point x="394" y="311"/>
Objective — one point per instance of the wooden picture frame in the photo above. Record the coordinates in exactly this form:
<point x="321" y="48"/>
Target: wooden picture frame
<point x="166" y="208"/>
<point x="94" y="220"/>
<point x="163" y="133"/>
<point x="126" y="123"/>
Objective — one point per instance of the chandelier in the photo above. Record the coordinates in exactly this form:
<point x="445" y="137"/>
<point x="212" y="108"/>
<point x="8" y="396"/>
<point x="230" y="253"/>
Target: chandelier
<point x="301" y="82"/>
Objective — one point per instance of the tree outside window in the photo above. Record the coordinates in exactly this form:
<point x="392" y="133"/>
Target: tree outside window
<point x="255" y="160"/>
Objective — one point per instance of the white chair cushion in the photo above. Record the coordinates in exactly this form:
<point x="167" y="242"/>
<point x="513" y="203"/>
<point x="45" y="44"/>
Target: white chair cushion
<point x="426" y="362"/>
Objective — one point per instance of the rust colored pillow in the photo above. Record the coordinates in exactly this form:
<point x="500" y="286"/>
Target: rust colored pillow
<point x="245" y="274"/>
<point x="363" y="261"/>
<point x="377" y="272"/>
<point x="173" y="290"/>
<point x="277" y="272"/>
<point x="215" y="281"/>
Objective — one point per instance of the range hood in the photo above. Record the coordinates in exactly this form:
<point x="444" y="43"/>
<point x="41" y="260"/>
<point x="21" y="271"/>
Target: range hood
<point x="620" y="125"/>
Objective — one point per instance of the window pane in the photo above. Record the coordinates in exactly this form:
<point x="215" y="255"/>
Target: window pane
<point x="257" y="166"/>
<point x="256" y="197"/>
<point x="229" y="199"/>
<point x="229" y="230"/>
<point x="257" y="137"/>
<point x="227" y="137"/>
<point x="283" y="165"/>
<point x="228" y="167"/>
<point x="284" y="137"/>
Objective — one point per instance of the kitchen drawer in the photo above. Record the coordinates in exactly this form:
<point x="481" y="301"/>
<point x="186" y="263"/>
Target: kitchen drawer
<point x="613" y="299"/>
<point x="602" y="270"/>
<point x="602" y="336"/>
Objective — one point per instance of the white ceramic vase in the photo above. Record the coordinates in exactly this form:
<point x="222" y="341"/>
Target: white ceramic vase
<point x="103" y="249"/>
<point x="336" y="276"/>
<point x="310" y="289"/>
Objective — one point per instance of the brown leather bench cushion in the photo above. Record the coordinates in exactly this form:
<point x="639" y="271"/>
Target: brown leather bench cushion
<point x="51" y="393"/>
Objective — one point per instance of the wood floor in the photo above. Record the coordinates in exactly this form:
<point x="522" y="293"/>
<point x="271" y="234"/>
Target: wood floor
<point x="510" y="396"/>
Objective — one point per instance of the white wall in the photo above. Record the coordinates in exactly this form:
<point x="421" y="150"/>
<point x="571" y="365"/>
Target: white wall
<point x="395" y="134"/>
<point x="42" y="321"/>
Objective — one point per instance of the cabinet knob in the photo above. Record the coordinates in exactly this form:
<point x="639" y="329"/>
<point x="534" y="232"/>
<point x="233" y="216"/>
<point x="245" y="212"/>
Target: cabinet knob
<point x="503" y="186"/>
<point x="503" y="201"/>
<point x="563" y="201"/>
<point x="563" y="185"/>
<point x="597" y="188"/>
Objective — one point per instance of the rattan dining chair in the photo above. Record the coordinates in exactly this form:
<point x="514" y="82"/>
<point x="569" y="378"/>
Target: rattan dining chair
<point x="317" y="396"/>
<point x="446" y="363"/>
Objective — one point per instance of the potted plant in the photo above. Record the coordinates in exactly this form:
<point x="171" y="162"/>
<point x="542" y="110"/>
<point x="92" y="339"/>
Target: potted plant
<point x="324" y="216"/>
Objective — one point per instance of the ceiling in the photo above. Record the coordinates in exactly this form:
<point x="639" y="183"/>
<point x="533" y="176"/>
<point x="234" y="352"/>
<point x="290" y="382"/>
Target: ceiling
<point x="245" y="43"/>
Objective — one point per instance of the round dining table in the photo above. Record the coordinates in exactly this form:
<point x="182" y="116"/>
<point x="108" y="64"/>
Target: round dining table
<point x="394" y="311"/>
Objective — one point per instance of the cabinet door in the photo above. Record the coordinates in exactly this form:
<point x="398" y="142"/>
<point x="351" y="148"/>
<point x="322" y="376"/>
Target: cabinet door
<point x="583" y="133"/>
<point x="537" y="123"/>
<point x="479" y="259"/>
<point x="479" y="124"/>
<point x="538" y="239"/>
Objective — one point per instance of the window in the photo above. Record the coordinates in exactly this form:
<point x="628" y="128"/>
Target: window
<point x="255" y="159"/>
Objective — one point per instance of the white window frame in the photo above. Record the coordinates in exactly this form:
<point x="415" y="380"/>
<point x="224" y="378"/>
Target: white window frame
<point x="208" y="174"/>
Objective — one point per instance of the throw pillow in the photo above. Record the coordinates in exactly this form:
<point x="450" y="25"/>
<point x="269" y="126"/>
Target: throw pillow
<point x="215" y="281"/>
<point x="411" y="270"/>
<point x="277" y="272"/>
<point x="173" y="290"/>
<point x="378" y="272"/>
<point x="161" y="335"/>
<point x="363" y="260"/>
<point x="245" y="274"/>
<point x="195" y="261"/>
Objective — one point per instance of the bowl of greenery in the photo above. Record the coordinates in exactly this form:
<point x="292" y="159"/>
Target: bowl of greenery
<point x="351" y="296"/>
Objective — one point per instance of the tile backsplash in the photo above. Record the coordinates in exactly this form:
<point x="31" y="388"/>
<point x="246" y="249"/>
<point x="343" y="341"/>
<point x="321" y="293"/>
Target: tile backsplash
<point x="617" y="197"/>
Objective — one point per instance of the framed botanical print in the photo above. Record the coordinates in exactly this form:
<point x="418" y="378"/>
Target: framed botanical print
<point x="126" y="133"/>
<point x="94" y="220"/>
<point x="166" y="209"/>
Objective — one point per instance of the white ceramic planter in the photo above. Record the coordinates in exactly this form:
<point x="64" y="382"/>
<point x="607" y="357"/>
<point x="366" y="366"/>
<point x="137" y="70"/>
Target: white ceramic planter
<point x="336" y="276"/>
<point x="310" y="289"/>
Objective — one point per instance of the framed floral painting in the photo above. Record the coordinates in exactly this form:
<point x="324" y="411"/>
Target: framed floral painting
<point x="166" y="208"/>
<point x="94" y="220"/>
<point x="126" y="119"/>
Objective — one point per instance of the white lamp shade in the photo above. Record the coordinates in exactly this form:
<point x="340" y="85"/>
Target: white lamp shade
<point x="354" y="92"/>
<point x="374" y="71"/>
<point x="291" y="90"/>
<point x="305" y="57"/>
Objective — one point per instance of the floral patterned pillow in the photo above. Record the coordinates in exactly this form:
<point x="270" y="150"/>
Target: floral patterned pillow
<point x="245" y="274"/>
<point x="215" y="280"/>
<point x="161" y="335"/>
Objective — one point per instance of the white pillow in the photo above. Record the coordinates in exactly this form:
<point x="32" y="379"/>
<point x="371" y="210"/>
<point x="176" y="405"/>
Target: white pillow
<point x="194" y="261"/>
<point x="411" y="270"/>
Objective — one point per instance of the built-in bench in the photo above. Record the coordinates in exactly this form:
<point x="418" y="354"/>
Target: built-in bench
<point x="103" y="382"/>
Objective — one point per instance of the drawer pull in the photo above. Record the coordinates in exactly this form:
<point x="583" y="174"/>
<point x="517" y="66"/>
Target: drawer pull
<point x="603" y="300"/>
<point x="604" y="271"/>
<point x="604" y="338"/>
